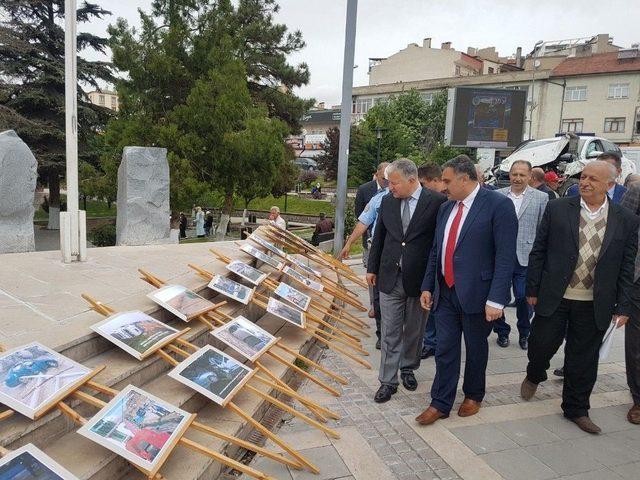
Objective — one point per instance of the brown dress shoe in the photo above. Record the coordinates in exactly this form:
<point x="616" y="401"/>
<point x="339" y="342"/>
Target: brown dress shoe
<point x="469" y="407"/>
<point x="634" y="415"/>
<point x="430" y="415"/>
<point x="528" y="389"/>
<point x="586" y="424"/>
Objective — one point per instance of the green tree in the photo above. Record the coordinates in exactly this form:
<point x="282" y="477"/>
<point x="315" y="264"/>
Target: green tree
<point x="32" y="83"/>
<point x="328" y="160"/>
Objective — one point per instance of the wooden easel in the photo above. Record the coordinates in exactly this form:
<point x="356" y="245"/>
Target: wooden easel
<point x="322" y="336"/>
<point x="176" y="349"/>
<point x="319" y="412"/>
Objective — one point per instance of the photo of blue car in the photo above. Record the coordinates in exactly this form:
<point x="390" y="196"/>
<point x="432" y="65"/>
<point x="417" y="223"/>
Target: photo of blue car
<point x="28" y="369"/>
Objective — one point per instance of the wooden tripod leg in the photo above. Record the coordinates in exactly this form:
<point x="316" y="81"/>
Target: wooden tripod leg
<point x="293" y="411"/>
<point x="330" y="336"/>
<point x="315" y="380"/>
<point x="341" y="350"/>
<point x="326" y="371"/>
<point x="6" y="414"/>
<point x="272" y="436"/>
<point x="340" y="320"/>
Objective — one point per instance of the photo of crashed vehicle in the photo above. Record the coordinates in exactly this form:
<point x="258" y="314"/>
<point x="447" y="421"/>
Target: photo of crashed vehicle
<point x="565" y="154"/>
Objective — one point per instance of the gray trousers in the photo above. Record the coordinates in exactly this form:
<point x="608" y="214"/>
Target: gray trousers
<point x="403" y="323"/>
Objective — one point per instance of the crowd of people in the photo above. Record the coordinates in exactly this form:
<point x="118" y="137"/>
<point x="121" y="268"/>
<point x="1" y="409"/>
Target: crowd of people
<point x="444" y="252"/>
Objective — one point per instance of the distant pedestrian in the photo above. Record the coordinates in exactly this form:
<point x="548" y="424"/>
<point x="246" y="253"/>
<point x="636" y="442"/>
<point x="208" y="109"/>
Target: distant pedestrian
<point x="537" y="181"/>
<point x="553" y="181"/>
<point x="199" y="222"/>
<point x="208" y="223"/>
<point x="324" y="225"/>
<point x="275" y="219"/>
<point x="183" y="225"/>
<point x="430" y="176"/>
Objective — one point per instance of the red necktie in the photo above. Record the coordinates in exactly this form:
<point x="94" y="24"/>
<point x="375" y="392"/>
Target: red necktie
<point x="449" y="278"/>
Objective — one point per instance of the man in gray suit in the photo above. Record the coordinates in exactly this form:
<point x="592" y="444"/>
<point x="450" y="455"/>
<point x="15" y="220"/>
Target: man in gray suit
<point x="529" y="204"/>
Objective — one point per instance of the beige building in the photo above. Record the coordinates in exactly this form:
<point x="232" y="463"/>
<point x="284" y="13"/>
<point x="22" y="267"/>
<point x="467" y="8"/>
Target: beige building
<point x="105" y="98"/>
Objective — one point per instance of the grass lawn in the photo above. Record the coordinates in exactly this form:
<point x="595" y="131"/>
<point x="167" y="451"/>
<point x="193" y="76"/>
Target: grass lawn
<point x="295" y="204"/>
<point x="95" y="208"/>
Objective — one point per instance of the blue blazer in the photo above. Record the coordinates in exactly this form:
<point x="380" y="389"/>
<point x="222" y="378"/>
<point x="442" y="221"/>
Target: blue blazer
<point x="618" y="192"/>
<point x="485" y="254"/>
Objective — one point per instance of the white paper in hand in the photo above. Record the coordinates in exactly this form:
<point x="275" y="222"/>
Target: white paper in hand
<point x="607" y="340"/>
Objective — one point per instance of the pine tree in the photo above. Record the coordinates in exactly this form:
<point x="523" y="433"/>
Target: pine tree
<point x="32" y="83"/>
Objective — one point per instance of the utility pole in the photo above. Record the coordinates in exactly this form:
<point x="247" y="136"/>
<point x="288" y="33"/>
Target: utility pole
<point x="345" y="123"/>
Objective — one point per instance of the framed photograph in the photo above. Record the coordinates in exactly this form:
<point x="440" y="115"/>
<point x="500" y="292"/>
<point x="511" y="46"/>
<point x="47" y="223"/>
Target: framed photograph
<point x="31" y="463"/>
<point x="291" y="295"/>
<point x="213" y="373"/>
<point x="231" y="289"/>
<point x="300" y="278"/>
<point x="136" y="333"/>
<point x="286" y="312"/>
<point x="181" y="301"/>
<point x="247" y="272"/>
<point x="139" y="427"/>
<point x="304" y="266"/>
<point x="268" y="245"/>
<point x="260" y="255"/>
<point x="33" y="378"/>
<point x="245" y="337"/>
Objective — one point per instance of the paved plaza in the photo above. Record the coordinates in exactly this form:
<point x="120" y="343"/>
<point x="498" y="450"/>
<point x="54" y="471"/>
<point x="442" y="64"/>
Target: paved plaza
<point x="509" y="439"/>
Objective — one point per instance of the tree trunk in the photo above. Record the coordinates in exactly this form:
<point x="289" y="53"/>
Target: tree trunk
<point x="54" y="200"/>
<point x="227" y="209"/>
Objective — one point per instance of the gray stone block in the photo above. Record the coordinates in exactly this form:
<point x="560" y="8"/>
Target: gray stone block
<point x="143" y="197"/>
<point x="18" y="174"/>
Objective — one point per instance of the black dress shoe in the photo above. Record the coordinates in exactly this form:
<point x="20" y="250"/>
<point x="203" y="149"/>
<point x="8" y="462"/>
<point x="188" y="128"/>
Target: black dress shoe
<point x="409" y="381"/>
<point x="427" y="352"/>
<point x="559" y="372"/>
<point x="524" y="343"/>
<point x="384" y="393"/>
<point x="378" y="344"/>
<point x="503" y="341"/>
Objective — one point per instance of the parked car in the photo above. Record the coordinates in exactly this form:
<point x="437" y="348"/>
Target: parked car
<point x="565" y="154"/>
<point x="306" y="163"/>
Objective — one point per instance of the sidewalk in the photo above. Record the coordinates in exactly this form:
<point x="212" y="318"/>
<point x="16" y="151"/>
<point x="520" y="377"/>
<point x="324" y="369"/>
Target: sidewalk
<point x="509" y="439"/>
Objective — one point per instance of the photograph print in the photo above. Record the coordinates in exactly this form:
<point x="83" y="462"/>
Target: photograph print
<point x="181" y="301"/>
<point x="213" y="373"/>
<point x="136" y="333"/>
<point x="245" y="337"/>
<point x="260" y="255"/>
<point x="291" y="295"/>
<point x="139" y="427"/>
<point x="231" y="289"/>
<point x="268" y="245"/>
<point x="304" y="280"/>
<point x="247" y="272"/>
<point x="34" y="377"/>
<point x="31" y="463"/>
<point x="286" y="312"/>
<point x="303" y="266"/>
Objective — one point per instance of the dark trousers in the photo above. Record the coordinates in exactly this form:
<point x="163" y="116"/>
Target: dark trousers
<point x="632" y="354"/>
<point x="429" y="339"/>
<point x="451" y="324"/>
<point x="580" y="353"/>
<point x="375" y="297"/>
<point x="523" y="309"/>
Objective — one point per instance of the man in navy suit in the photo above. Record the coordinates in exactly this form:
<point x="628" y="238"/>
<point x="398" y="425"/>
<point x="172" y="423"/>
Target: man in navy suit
<point x="616" y="192"/>
<point x="467" y="284"/>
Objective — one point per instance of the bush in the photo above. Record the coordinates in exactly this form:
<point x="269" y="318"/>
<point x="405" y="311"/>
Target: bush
<point x="103" y="236"/>
<point x="307" y="177"/>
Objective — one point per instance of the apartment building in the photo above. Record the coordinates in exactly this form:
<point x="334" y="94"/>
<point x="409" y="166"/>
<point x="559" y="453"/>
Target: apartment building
<point x="105" y="98"/>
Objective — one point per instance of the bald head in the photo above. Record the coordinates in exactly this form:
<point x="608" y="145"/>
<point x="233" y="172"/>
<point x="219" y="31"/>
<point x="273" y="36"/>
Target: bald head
<point x="537" y="177"/>
<point x="380" y="176"/>
<point x="596" y="178"/>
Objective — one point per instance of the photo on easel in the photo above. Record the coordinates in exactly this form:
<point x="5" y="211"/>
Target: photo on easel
<point x="299" y="277"/>
<point x="260" y="255"/>
<point x="269" y="246"/>
<point x="213" y="373"/>
<point x="304" y="266"/>
<point x="231" y="289"/>
<point x="245" y="337"/>
<point x="286" y="312"/>
<point x="31" y="463"/>
<point x="136" y="333"/>
<point x="181" y="301"/>
<point x="139" y="427"/>
<point x="291" y="295"/>
<point x="247" y="272"/>
<point x="34" y="377"/>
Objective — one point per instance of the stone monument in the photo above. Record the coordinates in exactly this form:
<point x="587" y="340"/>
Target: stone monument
<point x="18" y="175"/>
<point x="143" y="198"/>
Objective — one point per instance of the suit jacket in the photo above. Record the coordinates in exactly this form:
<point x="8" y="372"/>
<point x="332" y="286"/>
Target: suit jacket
<point x="365" y="192"/>
<point x="529" y="217"/>
<point x="631" y="201"/>
<point x="618" y="192"/>
<point x="550" y="193"/>
<point x="389" y="243"/>
<point x="555" y="252"/>
<point x="485" y="254"/>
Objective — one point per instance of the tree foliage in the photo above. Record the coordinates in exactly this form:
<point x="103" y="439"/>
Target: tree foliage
<point x="328" y="160"/>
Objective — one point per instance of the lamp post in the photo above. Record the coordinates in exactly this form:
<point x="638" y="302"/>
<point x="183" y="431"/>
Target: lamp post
<point x="379" y="137"/>
<point x="535" y="65"/>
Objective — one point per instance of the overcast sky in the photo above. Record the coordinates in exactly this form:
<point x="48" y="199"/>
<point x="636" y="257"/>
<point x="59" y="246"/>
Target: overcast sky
<point x="386" y="26"/>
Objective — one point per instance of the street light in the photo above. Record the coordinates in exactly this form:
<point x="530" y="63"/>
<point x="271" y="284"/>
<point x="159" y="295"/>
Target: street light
<point x="536" y="64"/>
<point x="379" y="131"/>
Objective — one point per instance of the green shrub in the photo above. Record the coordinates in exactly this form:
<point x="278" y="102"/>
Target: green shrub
<point x="103" y="236"/>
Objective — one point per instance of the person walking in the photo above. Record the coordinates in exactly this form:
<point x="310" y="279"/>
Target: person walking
<point x="183" y="225"/>
<point x="580" y="271"/>
<point x="397" y="262"/>
<point x="467" y="284"/>
<point x="208" y="223"/>
<point x="199" y="222"/>
<point x="529" y="204"/>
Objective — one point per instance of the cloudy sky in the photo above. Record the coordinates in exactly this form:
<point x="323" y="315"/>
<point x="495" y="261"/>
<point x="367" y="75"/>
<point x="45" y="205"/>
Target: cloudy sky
<point x="386" y="26"/>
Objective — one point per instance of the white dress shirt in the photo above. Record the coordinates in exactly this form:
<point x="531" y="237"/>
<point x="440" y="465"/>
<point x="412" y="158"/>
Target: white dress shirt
<point x="516" y="199"/>
<point x="279" y="222"/>
<point x="467" y="202"/>
<point x="593" y="214"/>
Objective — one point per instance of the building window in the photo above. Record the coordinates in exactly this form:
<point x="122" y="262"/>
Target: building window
<point x="114" y="102"/>
<point x="457" y="70"/>
<point x="101" y="100"/>
<point x="637" y="132"/>
<point x="618" y="90"/>
<point x="491" y="70"/>
<point x="362" y="105"/>
<point x="427" y="98"/>
<point x="572" y="125"/>
<point x="614" y="125"/>
<point x="575" y="94"/>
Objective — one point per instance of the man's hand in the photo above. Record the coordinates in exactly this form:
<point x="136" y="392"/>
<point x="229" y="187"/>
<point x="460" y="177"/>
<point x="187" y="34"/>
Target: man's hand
<point x="492" y="313"/>
<point x="533" y="301"/>
<point x="344" y="253"/>
<point x="621" y="319"/>
<point x="426" y="300"/>
<point x="371" y="279"/>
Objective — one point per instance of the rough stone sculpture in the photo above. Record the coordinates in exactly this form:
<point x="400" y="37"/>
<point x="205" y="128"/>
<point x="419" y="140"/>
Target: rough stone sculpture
<point x="18" y="174"/>
<point x="143" y="197"/>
